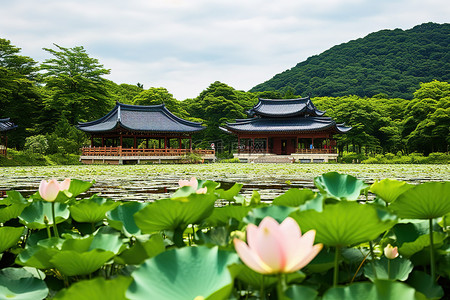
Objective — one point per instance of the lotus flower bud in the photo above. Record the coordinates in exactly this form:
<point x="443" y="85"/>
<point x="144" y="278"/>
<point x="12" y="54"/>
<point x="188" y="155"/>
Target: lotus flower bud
<point x="390" y="252"/>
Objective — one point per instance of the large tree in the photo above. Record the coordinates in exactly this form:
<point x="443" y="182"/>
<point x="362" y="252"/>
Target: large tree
<point x="77" y="88"/>
<point x="19" y="97"/>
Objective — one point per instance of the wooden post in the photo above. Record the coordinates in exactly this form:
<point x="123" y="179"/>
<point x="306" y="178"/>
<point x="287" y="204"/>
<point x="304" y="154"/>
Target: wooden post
<point x="239" y="144"/>
<point x="135" y="142"/>
<point x="267" y="144"/>
<point x="103" y="141"/>
<point x="190" y="143"/>
<point x="92" y="141"/>
<point x="121" y="140"/>
<point x="165" y="142"/>
<point x="179" y="143"/>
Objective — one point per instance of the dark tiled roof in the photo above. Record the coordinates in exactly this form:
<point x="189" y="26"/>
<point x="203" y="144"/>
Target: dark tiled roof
<point x="305" y="124"/>
<point x="151" y="118"/>
<point x="285" y="108"/>
<point x="6" y="124"/>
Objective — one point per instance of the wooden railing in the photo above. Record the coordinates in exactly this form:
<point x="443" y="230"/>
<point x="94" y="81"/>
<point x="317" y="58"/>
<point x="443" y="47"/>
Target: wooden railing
<point x="316" y="151"/>
<point x="119" y="151"/>
<point x="3" y="151"/>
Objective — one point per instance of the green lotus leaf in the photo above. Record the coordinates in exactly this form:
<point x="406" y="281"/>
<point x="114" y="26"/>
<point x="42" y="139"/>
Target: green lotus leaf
<point x="107" y="241"/>
<point x="389" y="189"/>
<point x="122" y="217"/>
<point x="96" y="289"/>
<point x="380" y="290"/>
<point x="9" y="236"/>
<point x="294" y="197"/>
<point x="248" y="276"/>
<point x="222" y="215"/>
<point x="92" y="210"/>
<point x="33" y="215"/>
<point x="13" y="198"/>
<point x="230" y="193"/>
<point x="141" y="250"/>
<point x="323" y="262"/>
<point x="18" y="283"/>
<point x="424" y="201"/>
<point x="73" y="263"/>
<point x="343" y="223"/>
<point x="216" y="236"/>
<point x="340" y="186"/>
<point x="399" y="269"/>
<point x="423" y="283"/>
<point x="12" y="206"/>
<point x="39" y="255"/>
<point x="277" y="212"/>
<point x="407" y="249"/>
<point x="301" y="292"/>
<point x="171" y="214"/>
<point x="170" y="275"/>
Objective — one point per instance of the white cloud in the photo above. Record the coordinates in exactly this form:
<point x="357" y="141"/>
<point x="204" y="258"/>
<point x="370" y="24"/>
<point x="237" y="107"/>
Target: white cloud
<point x="184" y="45"/>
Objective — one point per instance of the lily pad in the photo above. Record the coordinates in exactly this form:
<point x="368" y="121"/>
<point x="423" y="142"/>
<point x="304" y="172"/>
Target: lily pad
<point x="170" y="275"/>
<point x="73" y="263"/>
<point x="33" y="215"/>
<point x="141" y="250"/>
<point x="222" y="215"/>
<point x="12" y="206"/>
<point x="343" y="223"/>
<point x="423" y="283"/>
<point x="294" y="197"/>
<point x="340" y="186"/>
<point x="92" y="210"/>
<point x="230" y="193"/>
<point x="96" y="289"/>
<point x="301" y="292"/>
<point x="399" y="269"/>
<point x="17" y="283"/>
<point x="389" y="189"/>
<point x="9" y="236"/>
<point x="424" y="201"/>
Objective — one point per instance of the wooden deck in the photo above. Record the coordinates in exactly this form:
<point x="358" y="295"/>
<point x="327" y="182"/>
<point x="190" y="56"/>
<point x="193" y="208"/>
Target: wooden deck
<point x="119" y="155"/>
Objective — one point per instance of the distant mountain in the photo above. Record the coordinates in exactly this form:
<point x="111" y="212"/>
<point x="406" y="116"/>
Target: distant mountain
<point x="392" y="62"/>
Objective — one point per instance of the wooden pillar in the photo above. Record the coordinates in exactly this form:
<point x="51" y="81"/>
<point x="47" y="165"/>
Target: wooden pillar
<point x="92" y="141"/>
<point x="146" y="143"/>
<point x="121" y="140"/>
<point x="6" y="145"/>
<point x="179" y="143"/>
<point x="159" y="142"/>
<point x="190" y="143"/>
<point x="165" y="142"/>
<point x="239" y="144"/>
<point x="103" y="141"/>
<point x="267" y="144"/>
<point x="135" y="142"/>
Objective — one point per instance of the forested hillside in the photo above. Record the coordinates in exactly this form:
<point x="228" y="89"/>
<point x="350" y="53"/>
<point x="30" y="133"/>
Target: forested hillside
<point x="390" y="62"/>
<point x="47" y="99"/>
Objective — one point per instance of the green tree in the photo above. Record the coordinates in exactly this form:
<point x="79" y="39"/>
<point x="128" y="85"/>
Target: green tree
<point x="155" y="96"/>
<point x="19" y="97"/>
<point x="77" y="88"/>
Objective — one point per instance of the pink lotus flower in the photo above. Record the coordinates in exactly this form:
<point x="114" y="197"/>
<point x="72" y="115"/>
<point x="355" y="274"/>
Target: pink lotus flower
<point x="390" y="252"/>
<point x="277" y="248"/>
<point x="194" y="184"/>
<point x="49" y="190"/>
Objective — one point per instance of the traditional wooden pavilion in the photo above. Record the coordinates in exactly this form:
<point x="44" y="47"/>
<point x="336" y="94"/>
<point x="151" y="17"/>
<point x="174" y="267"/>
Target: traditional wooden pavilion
<point x="5" y="125"/>
<point x="293" y="127"/>
<point x="135" y="132"/>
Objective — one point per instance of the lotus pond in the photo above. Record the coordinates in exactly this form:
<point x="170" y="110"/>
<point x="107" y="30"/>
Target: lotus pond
<point x="362" y="237"/>
<point x="150" y="182"/>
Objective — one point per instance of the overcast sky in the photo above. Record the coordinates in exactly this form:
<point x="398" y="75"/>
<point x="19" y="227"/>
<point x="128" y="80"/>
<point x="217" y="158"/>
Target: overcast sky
<point x="185" y="45"/>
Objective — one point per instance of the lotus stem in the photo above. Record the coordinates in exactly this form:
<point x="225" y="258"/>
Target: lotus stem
<point x="55" y="228"/>
<point x="432" y="263"/>
<point x="261" y="291"/>
<point x="178" y="237"/>
<point x="48" y="231"/>
<point x="372" y="262"/>
<point x="281" y="286"/>
<point x="389" y="269"/>
<point x="336" y="266"/>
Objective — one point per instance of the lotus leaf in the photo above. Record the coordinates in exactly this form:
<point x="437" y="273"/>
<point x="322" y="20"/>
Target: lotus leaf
<point x="343" y="223"/>
<point x="230" y="193"/>
<point x="184" y="273"/>
<point x="389" y="189"/>
<point x="399" y="269"/>
<point x="277" y="212"/>
<point x="96" y="289"/>
<point x="122" y="217"/>
<point x="171" y="214"/>
<point x="73" y="263"/>
<point x="424" y="201"/>
<point x="142" y="250"/>
<point x="9" y="236"/>
<point x="423" y="283"/>
<point x="39" y="255"/>
<point x="301" y="292"/>
<point x="380" y="290"/>
<point x="294" y="197"/>
<point x="222" y="215"/>
<point x="340" y="186"/>
<point x="18" y="283"/>
<point x="92" y="210"/>
<point x="33" y="215"/>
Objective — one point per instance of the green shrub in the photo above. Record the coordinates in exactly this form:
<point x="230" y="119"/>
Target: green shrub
<point x="37" y="144"/>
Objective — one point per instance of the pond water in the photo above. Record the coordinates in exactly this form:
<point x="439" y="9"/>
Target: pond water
<point x="150" y="182"/>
